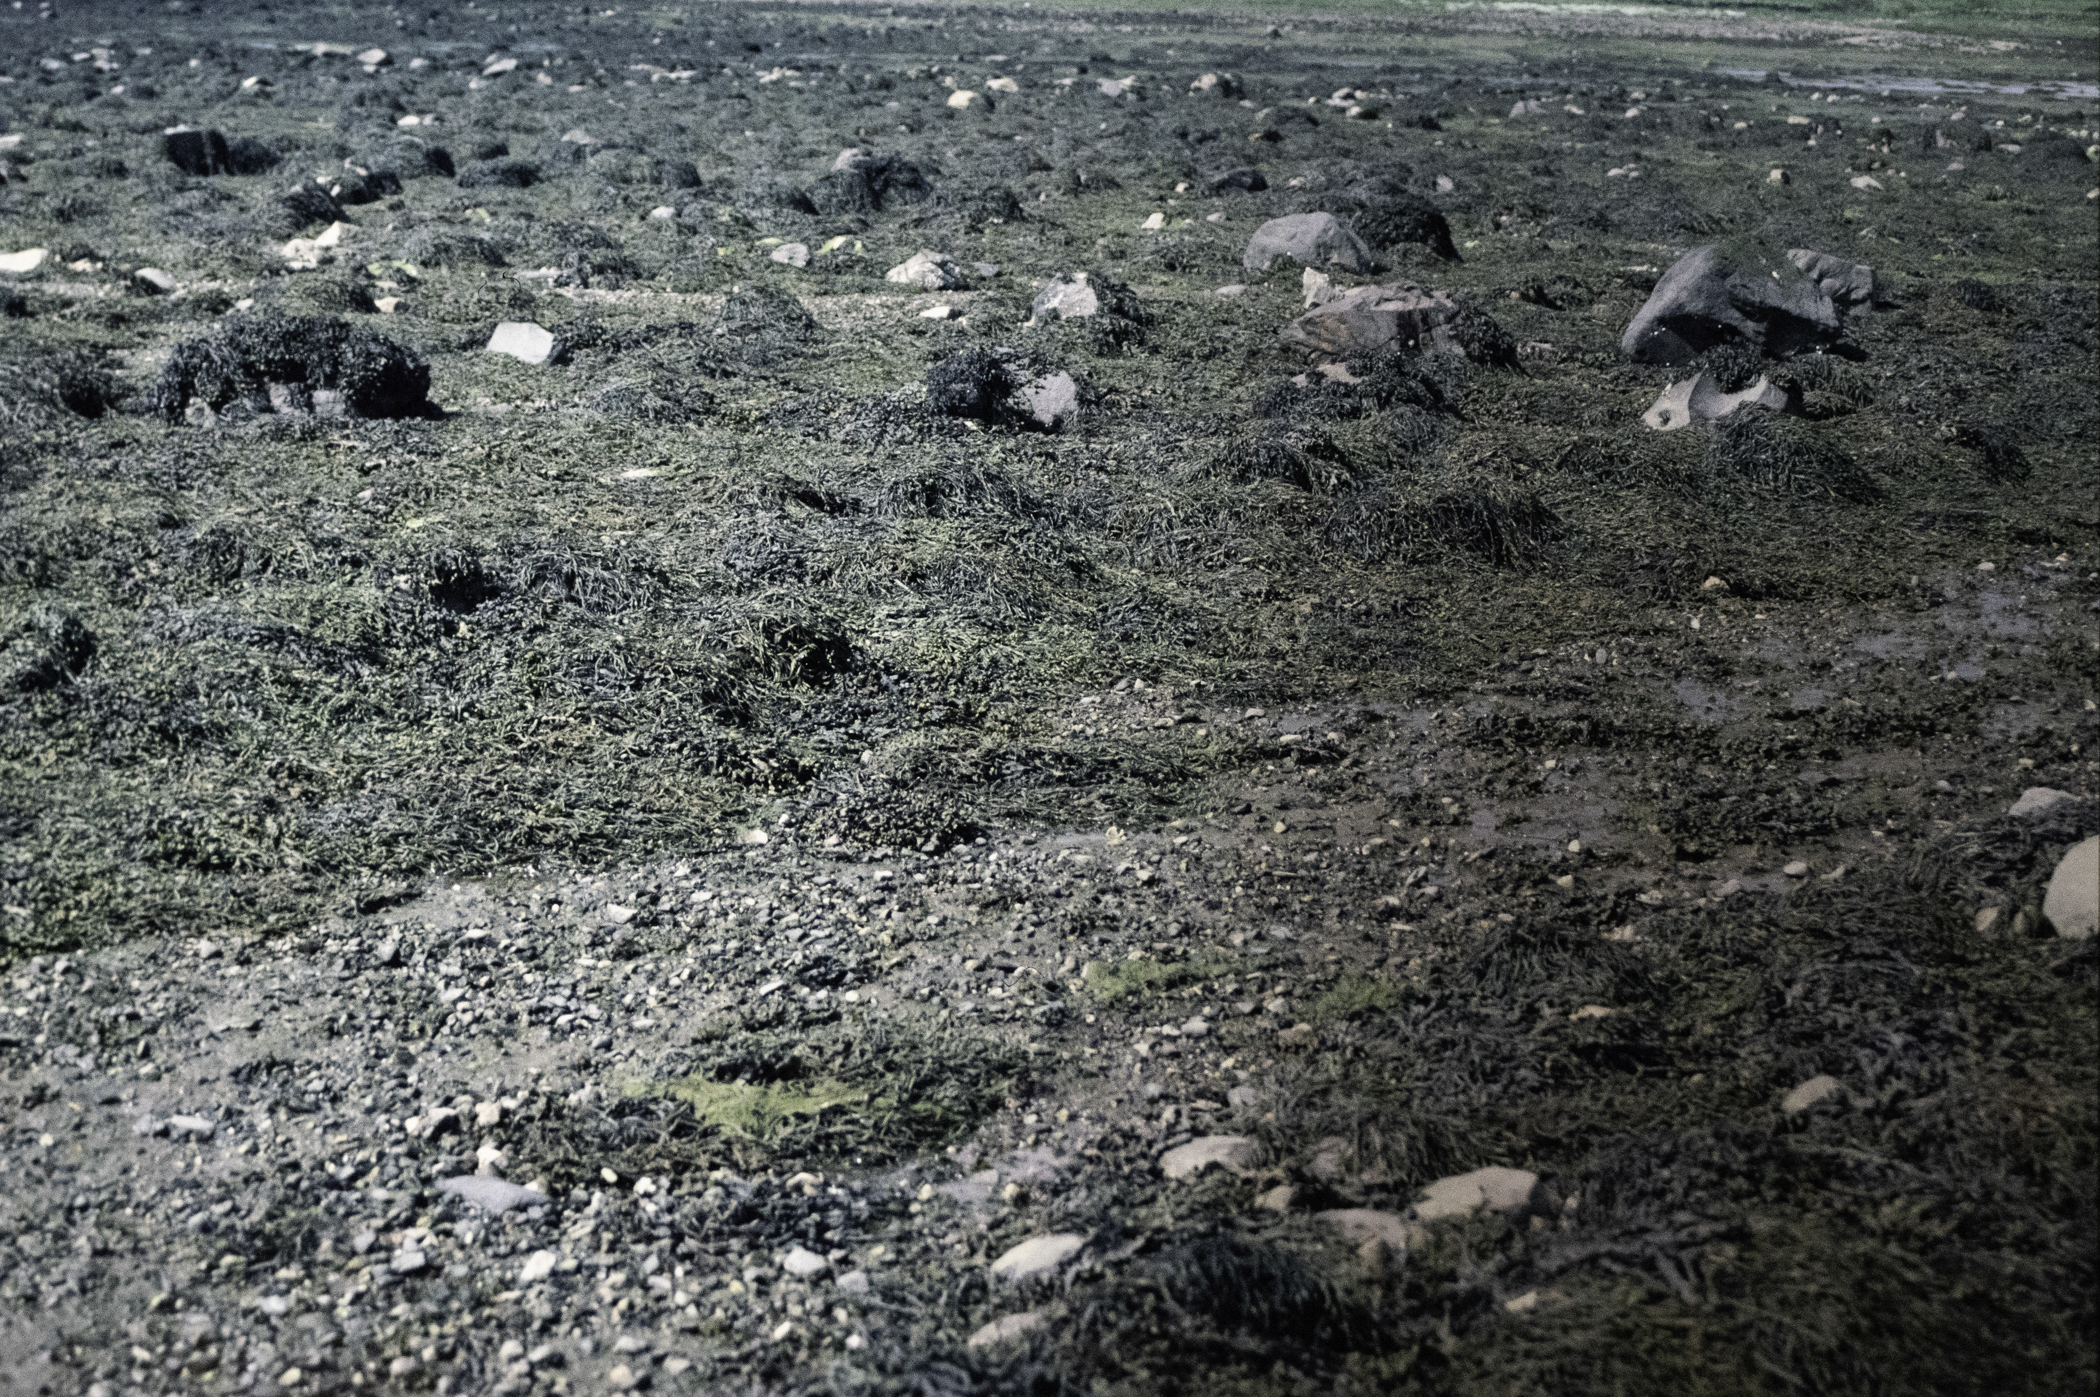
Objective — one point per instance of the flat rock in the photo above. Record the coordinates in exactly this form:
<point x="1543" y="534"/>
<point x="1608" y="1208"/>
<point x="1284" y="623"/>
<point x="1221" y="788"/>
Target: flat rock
<point x="929" y="271"/>
<point x="190" y="1125"/>
<point x="1697" y="399"/>
<point x="791" y="254"/>
<point x="2038" y="800"/>
<point x="853" y="1283"/>
<point x="1037" y="1255"/>
<point x="1234" y="1153"/>
<point x="802" y="1263"/>
<point x="1846" y="283"/>
<point x="1068" y="297"/>
<point x="1053" y="400"/>
<point x="1315" y="239"/>
<point x="522" y="340"/>
<point x="490" y="1194"/>
<point x="1494" y="1188"/>
<point x="407" y="1263"/>
<point x="1368" y="317"/>
<point x="537" y="1267"/>
<point x="153" y="281"/>
<point x="24" y="262"/>
<point x="1709" y="298"/>
<point x="1817" y="1088"/>
<point x="1005" y="1328"/>
<point x="2072" y="903"/>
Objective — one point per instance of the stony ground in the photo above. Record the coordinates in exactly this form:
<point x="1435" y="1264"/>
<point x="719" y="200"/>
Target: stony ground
<point x="688" y="868"/>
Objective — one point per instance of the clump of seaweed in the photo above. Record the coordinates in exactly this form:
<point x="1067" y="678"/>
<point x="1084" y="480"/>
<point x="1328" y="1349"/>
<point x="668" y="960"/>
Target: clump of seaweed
<point x="374" y="376"/>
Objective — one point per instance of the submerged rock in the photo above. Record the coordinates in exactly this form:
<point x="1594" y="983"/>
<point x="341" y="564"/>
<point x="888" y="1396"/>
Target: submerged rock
<point x="2072" y="903"/>
<point x="1699" y="399"/>
<point x="1711" y="297"/>
<point x="1315" y="239"/>
<point x="1370" y="317"/>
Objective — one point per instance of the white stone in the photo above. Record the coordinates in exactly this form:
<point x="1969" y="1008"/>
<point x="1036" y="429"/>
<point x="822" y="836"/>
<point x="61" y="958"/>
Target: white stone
<point x="387" y="305"/>
<point x="1004" y="1328"/>
<point x="577" y="136"/>
<point x="190" y="1125"/>
<point x="490" y="1194"/>
<point x="537" y="1267"/>
<point x="373" y="57"/>
<point x="663" y="213"/>
<point x="1818" y="1088"/>
<point x="791" y="254"/>
<point x="1444" y="184"/>
<point x="1796" y="869"/>
<point x="1233" y="288"/>
<point x="522" y="340"/>
<point x="156" y="280"/>
<point x="1698" y="400"/>
<point x="1037" y="1255"/>
<point x="500" y="65"/>
<point x="1233" y="1153"/>
<point x="802" y="1263"/>
<point x="1493" y="1188"/>
<point x="1154" y="222"/>
<point x="929" y="271"/>
<point x="2038" y="800"/>
<point x="853" y="1283"/>
<point x="2072" y="903"/>
<point x="1003" y="85"/>
<point x="1053" y="400"/>
<point x="1865" y="182"/>
<point x="408" y="1262"/>
<point x="1068" y="297"/>
<point x="1318" y="288"/>
<point x="963" y="97"/>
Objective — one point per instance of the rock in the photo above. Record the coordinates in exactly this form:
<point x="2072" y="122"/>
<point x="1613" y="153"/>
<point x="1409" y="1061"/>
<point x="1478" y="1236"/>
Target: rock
<point x="1038" y="1255"/>
<point x="940" y="313"/>
<point x="929" y="271"/>
<point x="191" y="1125"/>
<point x="1233" y="288"/>
<point x="1243" y="1098"/>
<point x="490" y="1194"/>
<point x="1004" y="1328"/>
<point x="1709" y="298"/>
<point x="1865" y="182"/>
<point x="537" y="1267"/>
<point x="1846" y="283"/>
<point x="802" y="1263"/>
<point x="1053" y="400"/>
<point x="1235" y="1154"/>
<point x="387" y="305"/>
<point x="853" y="1283"/>
<point x="1216" y="85"/>
<point x="522" y="340"/>
<point x="1316" y="239"/>
<point x="1319" y="288"/>
<point x="407" y="1263"/>
<point x="1815" y="1089"/>
<point x="1278" y="1199"/>
<point x="1245" y="178"/>
<point x="1796" y="869"/>
<point x="2038" y="800"/>
<point x="962" y="98"/>
<point x="848" y="158"/>
<point x="1697" y="399"/>
<point x="2072" y="903"/>
<point x="1373" y="1231"/>
<point x="24" y="262"/>
<point x="1069" y="297"/>
<point x="153" y="281"/>
<point x="1368" y="317"/>
<point x="374" y="57"/>
<point x="1002" y="85"/>
<point x="1494" y="1189"/>
<point x="791" y="254"/>
<point x="1154" y="221"/>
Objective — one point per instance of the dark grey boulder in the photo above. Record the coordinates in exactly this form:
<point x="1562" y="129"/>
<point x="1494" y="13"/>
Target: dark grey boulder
<point x="1710" y="298"/>
<point x="1315" y="239"/>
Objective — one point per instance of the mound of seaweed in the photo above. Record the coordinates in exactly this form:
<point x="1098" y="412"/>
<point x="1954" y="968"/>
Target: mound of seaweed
<point x="1386" y="214"/>
<point x="870" y="183"/>
<point x="374" y="376"/>
<point x="1499" y="522"/>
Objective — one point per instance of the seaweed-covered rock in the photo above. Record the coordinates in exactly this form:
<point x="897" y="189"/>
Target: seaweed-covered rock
<point x="928" y="271"/>
<point x="1370" y="317"/>
<point x="371" y="375"/>
<point x="861" y="181"/>
<point x="1314" y="239"/>
<point x="197" y="152"/>
<point x="1246" y="179"/>
<point x="248" y="156"/>
<point x="1385" y="215"/>
<point x="1714" y="295"/>
<point x="971" y="384"/>
<point x="304" y="205"/>
<point x="499" y="174"/>
<point x="47" y="649"/>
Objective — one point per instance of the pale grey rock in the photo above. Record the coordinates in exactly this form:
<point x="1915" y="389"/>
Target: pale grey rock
<point x="1053" y="400"/>
<point x="2038" y="800"/>
<point x="802" y="1263"/>
<point x="22" y="263"/>
<point x="1038" y="1255"/>
<point x="853" y="1283"/>
<point x="1707" y="299"/>
<point x="791" y="254"/>
<point x="1697" y="399"/>
<point x="491" y="1194"/>
<point x="1068" y="297"/>
<point x="1369" y="317"/>
<point x="1846" y="283"/>
<point x="2072" y="903"/>
<point x="1003" y="1329"/>
<point x="1233" y="1153"/>
<point x="407" y="1263"/>
<point x="929" y="271"/>
<point x="153" y="281"/>
<point x="1494" y="1188"/>
<point x="190" y="1125"/>
<point x="522" y="340"/>
<point x="537" y="1267"/>
<point x="1315" y="239"/>
<point x="1815" y="1089"/>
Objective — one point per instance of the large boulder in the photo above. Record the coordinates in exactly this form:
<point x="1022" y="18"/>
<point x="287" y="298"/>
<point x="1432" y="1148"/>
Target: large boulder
<point x="2072" y="903"/>
<point x="1714" y="296"/>
<point x="928" y="271"/>
<point x="1315" y="239"/>
<point x="1370" y="317"/>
